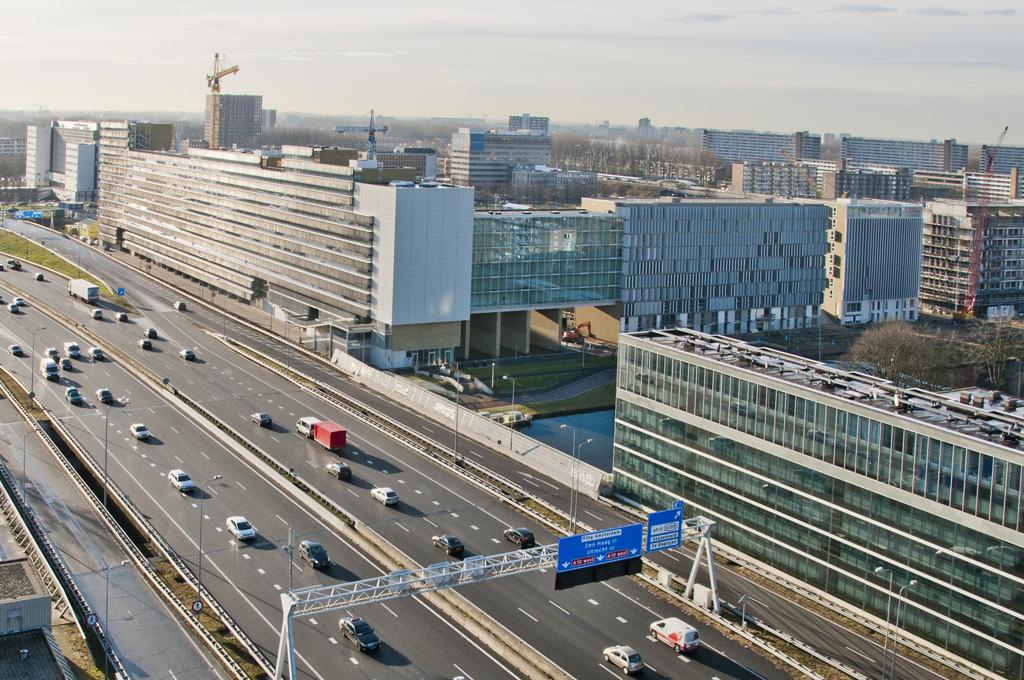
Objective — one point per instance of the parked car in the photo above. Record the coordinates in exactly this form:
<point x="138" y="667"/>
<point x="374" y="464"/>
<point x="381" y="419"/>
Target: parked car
<point x="262" y="419"/>
<point x="359" y="633"/>
<point x="340" y="470"/>
<point x="677" y="634"/>
<point x="521" y="538"/>
<point x="315" y="554"/>
<point x="450" y="544"/>
<point x="97" y="354"/>
<point x="240" y="528"/>
<point x="180" y="480"/>
<point x="385" y="494"/>
<point x="187" y="354"/>
<point x="104" y="395"/>
<point x="16" y="350"/>
<point x="625" y="658"/>
<point x="151" y="333"/>
<point x="139" y="431"/>
<point x="73" y="396"/>
<point x="145" y="344"/>
<point x="65" y="364"/>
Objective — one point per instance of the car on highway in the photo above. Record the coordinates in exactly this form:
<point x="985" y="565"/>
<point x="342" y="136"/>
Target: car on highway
<point x="18" y="301"/>
<point x="520" y="537"/>
<point x="180" y="480"/>
<point x="626" y="658"/>
<point x="145" y="343"/>
<point x="262" y="419"/>
<point x="12" y="308"/>
<point x="16" y="350"/>
<point x="52" y="353"/>
<point x="151" y="333"/>
<point x="340" y="470"/>
<point x="139" y="431"/>
<point x="180" y="306"/>
<point x="97" y="313"/>
<point x="315" y="554"/>
<point x="104" y="395"/>
<point x="14" y="264"/>
<point x="38" y="276"/>
<point x="65" y="364"/>
<point x="73" y="396"/>
<point x="122" y="316"/>
<point x="97" y="354"/>
<point x="72" y="350"/>
<point x="677" y="634"/>
<point x="359" y="633"/>
<point x="450" y="544"/>
<point x="385" y="494"/>
<point x="187" y="354"/>
<point x="240" y="528"/>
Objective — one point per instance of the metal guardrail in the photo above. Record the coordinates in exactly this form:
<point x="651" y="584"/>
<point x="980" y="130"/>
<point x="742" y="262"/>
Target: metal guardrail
<point x="143" y="524"/>
<point x="56" y="574"/>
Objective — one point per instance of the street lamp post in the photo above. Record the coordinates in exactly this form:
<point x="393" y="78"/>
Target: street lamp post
<point x="572" y="451"/>
<point x="458" y="384"/>
<point x="888" y="611"/>
<point x="32" y="374"/>
<point x="202" y="495"/>
<point x="512" y="424"/>
<point x="896" y="628"/>
<point x="574" y="497"/>
<point x="494" y="363"/>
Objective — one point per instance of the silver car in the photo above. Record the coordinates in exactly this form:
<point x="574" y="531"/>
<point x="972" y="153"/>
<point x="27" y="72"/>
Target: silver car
<point x="625" y="658"/>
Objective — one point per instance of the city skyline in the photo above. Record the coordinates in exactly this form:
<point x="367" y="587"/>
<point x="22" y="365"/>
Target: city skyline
<point x="868" y="69"/>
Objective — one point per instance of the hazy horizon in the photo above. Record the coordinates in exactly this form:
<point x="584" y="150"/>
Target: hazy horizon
<point x="896" y="69"/>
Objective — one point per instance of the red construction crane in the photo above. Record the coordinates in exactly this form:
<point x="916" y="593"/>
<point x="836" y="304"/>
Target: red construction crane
<point x="978" y="245"/>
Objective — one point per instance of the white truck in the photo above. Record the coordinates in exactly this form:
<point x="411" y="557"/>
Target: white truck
<point x="84" y="290"/>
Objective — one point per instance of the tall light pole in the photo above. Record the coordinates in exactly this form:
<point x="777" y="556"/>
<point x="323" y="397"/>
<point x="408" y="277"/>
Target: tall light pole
<point x="512" y="424"/>
<point x="494" y="363"/>
<point x="290" y="549"/>
<point x="458" y="384"/>
<point x="32" y="374"/>
<point x="896" y="629"/>
<point x="574" y="498"/>
<point x="202" y="495"/>
<point x="106" y="572"/>
<point x="888" y="610"/>
<point x="572" y="452"/>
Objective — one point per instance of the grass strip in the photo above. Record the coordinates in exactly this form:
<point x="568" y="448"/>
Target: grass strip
<point x="24" y="249"/>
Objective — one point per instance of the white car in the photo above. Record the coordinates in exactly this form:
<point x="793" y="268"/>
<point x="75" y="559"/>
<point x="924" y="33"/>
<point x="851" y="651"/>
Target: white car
<point x="180" y="480"/>
<point x="385" y="494"/>
<point x="240" y="528"/>
<point x="18" y="301"/>
<point x="139" y="431"/>
<point x="625" y="658"/>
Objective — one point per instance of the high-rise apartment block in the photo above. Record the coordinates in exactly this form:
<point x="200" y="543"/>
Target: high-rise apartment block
<point x="63" y="156"/>
<point x="873" y="267"/>
<point x="947" y="156"/>
<point x="720" y="266"/>
<point x="12" y="146"/>
<point x="772" y="178"/>
<point x="827" y="475"/>
<point x="950" y="229"/>
<point x="485" y="158"/>
<point x="1006" y="159"/>
<point x="233" y="120"/>
<point x="536" y="124"/>
<point x="887" y="184"/>
<point x="743" y="145"/>
<point x="269" y="120"/>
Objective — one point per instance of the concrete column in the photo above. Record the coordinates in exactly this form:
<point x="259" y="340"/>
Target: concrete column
<point x="514" y="332"/>
<point x="546" y="328"/>
<point x="485" y="329"/>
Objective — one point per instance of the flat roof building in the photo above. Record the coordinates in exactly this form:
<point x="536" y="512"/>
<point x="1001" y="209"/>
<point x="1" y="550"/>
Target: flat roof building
<point x="945" y="156"/>
<point x="536" y="124"/>
<point x="63" y="156"/>
<point x="828" y="475"/>
<point x="745" y="145"/>
<point x="421" y="159"/>
<point x="486" y="158"/>
<point x="1007" y="158"/>
<point x="12" y="146"/>
<point x="233" y="120"/>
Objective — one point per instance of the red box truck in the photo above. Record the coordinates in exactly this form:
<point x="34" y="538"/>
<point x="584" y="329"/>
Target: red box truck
<point x="330" y="435"/>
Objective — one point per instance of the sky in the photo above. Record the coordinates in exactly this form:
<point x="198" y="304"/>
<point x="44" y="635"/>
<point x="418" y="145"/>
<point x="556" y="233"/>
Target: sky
<point x="889" y="69"/>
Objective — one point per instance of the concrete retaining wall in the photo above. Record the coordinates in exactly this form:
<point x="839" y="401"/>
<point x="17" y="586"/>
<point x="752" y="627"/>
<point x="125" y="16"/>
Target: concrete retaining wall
<point x="542" y="458"/>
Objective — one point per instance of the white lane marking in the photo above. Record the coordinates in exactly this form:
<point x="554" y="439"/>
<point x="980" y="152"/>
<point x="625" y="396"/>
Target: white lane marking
<point x="474" y="453"/>
<point x="859" y="653"/>
<point x="494" y="540"/>
<point x="638" y="603"/>
<point x="763" y="604"/>
<point x="529" y="615"/>
<point x="474" y="527"/>
<point x="455" y="515"/>
<point x="607" y="670"/>
<point x="241" y="485"/>
<point x="281" y="518"/>
<point x="651" y="667"/>
<point x="561" y="609"/>
<point x="352" y="492"/>
<point x="621" y="620"/>
<point x="277" y="587"/>
<point x="593" y="602"/>
<point x="588" y="512"/>
<point x="402" y="528"/>
<point x="261" y="570"/>
<point x="312" y="621"/>
<point x="333" y="641"/>
<point x="178" y="458"/>
<point x="401" y="481"/>
<point x="311" y="464"/>
<point x="354" y="660"/>
<point x="203" y="454"/>
<point x="430" y="523"/>
<point x="174" y="430"/>
<point x="462" y="672"/>
<point x="275" y="439"/>
<point x="390" y="611"/>
<point x="245" y="556"/>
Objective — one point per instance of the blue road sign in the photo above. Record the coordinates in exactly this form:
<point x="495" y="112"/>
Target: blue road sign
<point x="665" y="528"/>
<point x="28" y="214"/>
<point x="599" y="547"/>
<point x="120" y="292"/>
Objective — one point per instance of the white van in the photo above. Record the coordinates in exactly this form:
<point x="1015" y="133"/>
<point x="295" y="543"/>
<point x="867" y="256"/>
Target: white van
<point x="49" y="369"/>
<point x="305" y="426"/>
<point x="680" y="636"/>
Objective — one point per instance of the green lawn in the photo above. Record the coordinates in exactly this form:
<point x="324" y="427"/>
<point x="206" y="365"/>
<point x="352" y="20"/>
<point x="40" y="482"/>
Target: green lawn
<point x="542" y="374"/>
<point x="597" y="399"/>
<point x="27" y="251"/>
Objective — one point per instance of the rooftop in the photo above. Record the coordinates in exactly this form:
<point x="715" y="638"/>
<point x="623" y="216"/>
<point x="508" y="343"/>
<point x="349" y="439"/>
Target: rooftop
<point x="17" y="581"/>
<point x="29" y="656"/>
<point x="985" y="415"/>
<point x="533" y="213"/>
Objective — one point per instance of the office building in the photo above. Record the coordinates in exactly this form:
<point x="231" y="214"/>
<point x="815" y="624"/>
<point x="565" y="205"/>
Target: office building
<point x="1007" y="158"/>
<point x="827" y="476"/>
<point x="874" y="182"/>
<point x="735" y="146"/>
<point x="771" y="178"/>
<point x="946" y="156"/>
<point x="233" y="120"/>
<point x="531" y="266"/>
<point x="421" y="159"/>
<point x="485" y="158"/>
<point x="865" y="280"/>
<point x="269" y="119"/>
<point x="12" y="147"/>
<point x="563" y="185"/>
<point x="721" y="266"/>
<point x="528" y="123"/>
<point x="950" y="228"/>
<point x="63" y="157"/>
<point x="384" y="268"/>
<point x="931" y="185"/>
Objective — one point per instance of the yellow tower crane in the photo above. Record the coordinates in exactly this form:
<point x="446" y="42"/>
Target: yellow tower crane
<point x="220" y="69"/>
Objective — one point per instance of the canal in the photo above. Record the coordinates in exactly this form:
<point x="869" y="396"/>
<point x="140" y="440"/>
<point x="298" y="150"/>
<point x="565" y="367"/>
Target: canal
<point x="596" y="425"/>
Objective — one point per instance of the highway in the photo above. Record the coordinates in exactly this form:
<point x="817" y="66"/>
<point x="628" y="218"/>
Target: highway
<point x="433" y="502"/>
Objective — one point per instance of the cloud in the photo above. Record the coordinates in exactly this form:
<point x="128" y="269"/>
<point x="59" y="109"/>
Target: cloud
<point x="1001" y="12"/>
<point x="777" y="11"/>
<point x="703" y="18"/>
<point x="862" y="9"/>
<point x="936" y="12"/>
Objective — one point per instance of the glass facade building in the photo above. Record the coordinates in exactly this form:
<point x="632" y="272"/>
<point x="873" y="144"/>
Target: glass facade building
<point x="827" y="475"/>
<point x="532" y="260"/>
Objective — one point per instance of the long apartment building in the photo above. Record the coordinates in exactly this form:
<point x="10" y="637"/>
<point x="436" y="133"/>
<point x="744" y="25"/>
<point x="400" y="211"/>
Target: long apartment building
<point x="950" y="230"/>
<point x="721" y="266"/>
<point x="485" y="158"/>
<point x="809" y="178"/>
<point x="826" y="476"/>
<point x="947" y="156"/>
<point x="735" y="146"/>
<point x="63" y="157"/>
<point x="303" y="234"/>
<point x="873" y="265"/>
<point x="1006" y="158"/>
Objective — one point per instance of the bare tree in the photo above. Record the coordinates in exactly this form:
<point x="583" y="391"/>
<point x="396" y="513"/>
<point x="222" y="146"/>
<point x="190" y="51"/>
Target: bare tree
<point x="896" y="351"/>
<point x="998" y="343"/>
